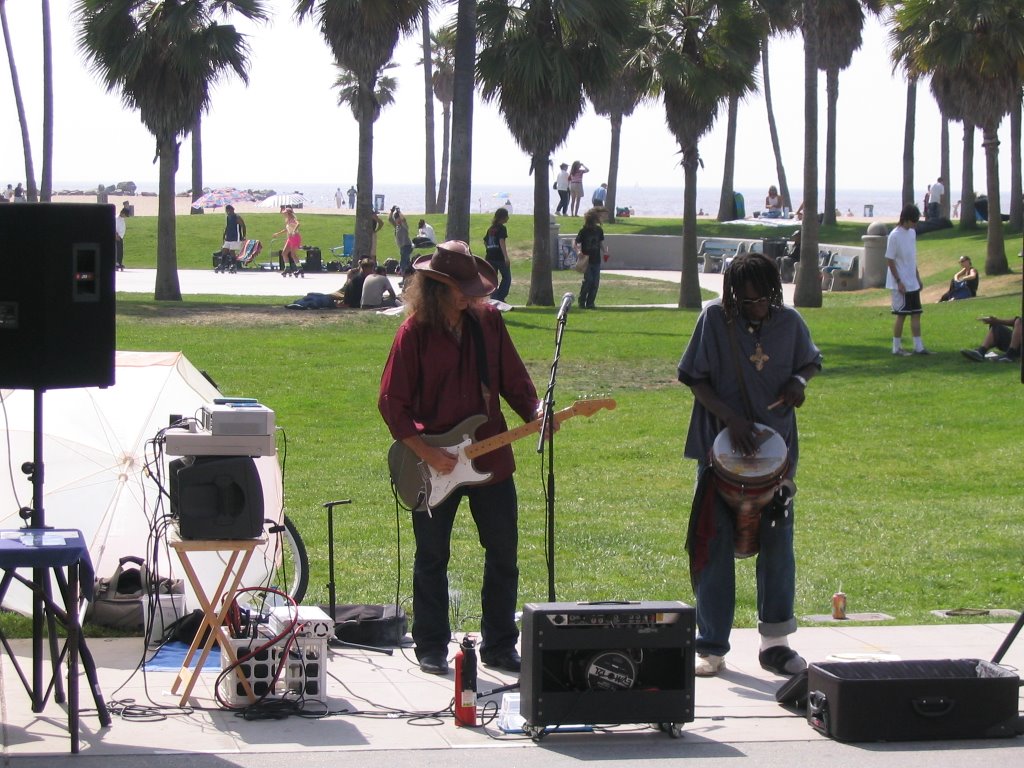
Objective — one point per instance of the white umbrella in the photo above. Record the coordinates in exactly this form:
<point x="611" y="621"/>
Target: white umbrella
<point x="276" y="201"/>
<point x="95" y="449"/>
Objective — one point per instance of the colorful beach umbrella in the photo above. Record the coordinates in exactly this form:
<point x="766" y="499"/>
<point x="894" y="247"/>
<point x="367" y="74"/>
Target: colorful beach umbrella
<point x="217" y="198"/>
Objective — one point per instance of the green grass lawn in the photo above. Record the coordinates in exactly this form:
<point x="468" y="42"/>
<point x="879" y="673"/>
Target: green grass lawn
<point x="906" y="494"/>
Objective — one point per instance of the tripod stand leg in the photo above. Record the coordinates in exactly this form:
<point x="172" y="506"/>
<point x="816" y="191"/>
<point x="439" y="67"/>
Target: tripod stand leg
<point x="1014" y="631"/>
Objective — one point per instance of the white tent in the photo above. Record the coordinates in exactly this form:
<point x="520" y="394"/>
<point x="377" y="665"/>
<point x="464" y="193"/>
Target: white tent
<point x="94" y="452"/>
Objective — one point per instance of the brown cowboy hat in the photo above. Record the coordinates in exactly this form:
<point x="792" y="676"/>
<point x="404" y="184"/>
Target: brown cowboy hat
<point x="453" y="264"/>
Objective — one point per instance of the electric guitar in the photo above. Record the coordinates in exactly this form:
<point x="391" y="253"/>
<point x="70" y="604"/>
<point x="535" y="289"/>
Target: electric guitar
<point x="420" y="486"/>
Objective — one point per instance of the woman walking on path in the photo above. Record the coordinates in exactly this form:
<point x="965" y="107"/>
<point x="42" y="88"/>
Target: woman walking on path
<point x="497" y="252"/>
<point x="291" y="243"/>
<point x="590" y="242"/>
<point x="576" y="185"/>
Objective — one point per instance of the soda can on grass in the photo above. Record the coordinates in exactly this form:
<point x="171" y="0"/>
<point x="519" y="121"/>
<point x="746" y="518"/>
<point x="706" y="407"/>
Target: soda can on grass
<point x="839" y="605"/>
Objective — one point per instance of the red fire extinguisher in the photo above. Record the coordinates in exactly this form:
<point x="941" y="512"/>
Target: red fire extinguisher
<point x="465" y="683"/>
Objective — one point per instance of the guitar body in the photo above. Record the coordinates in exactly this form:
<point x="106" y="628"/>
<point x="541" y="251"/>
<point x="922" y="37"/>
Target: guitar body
<point x="419" y="486"/>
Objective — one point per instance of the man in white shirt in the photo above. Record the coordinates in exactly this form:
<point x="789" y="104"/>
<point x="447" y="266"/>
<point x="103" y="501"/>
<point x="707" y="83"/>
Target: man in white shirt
<point x="903" y="279"/>
<point x="375" y="286"/>
<point x="935" y="193"/>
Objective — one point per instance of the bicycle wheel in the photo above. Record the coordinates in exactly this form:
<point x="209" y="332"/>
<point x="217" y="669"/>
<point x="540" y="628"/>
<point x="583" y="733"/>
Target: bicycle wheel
<point x="292" y="576"/>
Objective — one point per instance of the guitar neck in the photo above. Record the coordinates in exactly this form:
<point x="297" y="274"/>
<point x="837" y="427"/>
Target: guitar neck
<point x="497" y="441"/>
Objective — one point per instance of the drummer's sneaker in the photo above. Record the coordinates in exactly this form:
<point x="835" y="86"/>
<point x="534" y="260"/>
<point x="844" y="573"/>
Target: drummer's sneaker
<point x="781" y="660"/>
<point x="709" y="665"/>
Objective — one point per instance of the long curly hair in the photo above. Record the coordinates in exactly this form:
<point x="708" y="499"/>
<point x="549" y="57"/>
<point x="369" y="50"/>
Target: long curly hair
<point x="756" y="269"/>
<point x="427" y="298"/>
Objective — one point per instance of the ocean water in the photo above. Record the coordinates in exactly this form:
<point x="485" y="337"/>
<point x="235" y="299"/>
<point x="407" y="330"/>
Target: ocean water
<point x="656" y="202"/>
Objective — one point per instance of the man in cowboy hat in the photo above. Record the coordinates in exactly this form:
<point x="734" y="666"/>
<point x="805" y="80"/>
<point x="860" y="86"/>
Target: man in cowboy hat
<point x="450" y="360"/>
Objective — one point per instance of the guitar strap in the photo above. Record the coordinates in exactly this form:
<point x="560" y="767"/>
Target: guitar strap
<point x="473" y="323"/>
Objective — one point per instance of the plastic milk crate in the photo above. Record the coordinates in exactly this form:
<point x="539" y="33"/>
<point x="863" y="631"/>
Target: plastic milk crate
<point x="305" y="672"/>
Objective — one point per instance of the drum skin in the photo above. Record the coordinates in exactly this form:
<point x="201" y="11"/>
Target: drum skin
<point x="748" y="483"/>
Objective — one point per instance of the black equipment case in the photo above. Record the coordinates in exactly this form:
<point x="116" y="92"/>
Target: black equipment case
<point x="913" y="700"/>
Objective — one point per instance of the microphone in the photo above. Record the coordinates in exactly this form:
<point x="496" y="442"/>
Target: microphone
<point x="563" y="310"/>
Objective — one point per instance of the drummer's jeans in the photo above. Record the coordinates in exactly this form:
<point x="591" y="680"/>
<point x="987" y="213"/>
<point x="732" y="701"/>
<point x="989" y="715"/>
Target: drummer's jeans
<point x="776" y="583"/>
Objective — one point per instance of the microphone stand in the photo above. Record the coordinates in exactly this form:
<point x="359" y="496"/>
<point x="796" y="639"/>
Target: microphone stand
<point x="547" y="432"/>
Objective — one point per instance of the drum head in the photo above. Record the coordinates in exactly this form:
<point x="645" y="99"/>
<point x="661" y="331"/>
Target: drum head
<point x="763" y="468"/>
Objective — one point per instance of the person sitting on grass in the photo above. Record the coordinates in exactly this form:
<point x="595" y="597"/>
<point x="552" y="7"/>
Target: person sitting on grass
<point x="375" y="286"/>
<point x="964" y="284"/>
<point x="1004" y="335"/>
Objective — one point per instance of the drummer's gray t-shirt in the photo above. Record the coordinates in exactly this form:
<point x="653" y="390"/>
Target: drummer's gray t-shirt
<point x="785" y="340"/>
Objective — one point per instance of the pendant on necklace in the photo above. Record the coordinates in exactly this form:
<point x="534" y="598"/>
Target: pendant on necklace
<point x="759" y="358"/>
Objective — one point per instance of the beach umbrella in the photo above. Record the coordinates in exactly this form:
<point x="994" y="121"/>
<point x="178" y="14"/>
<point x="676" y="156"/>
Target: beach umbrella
<point x="218" y="198"/>
<point x="276" y="201"/>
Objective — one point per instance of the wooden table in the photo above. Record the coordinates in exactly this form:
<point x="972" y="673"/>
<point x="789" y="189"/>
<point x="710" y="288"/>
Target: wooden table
<point x="215" y="606"/>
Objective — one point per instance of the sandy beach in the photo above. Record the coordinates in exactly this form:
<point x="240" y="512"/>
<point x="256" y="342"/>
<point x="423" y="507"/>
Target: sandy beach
<point x="146" y="205"/>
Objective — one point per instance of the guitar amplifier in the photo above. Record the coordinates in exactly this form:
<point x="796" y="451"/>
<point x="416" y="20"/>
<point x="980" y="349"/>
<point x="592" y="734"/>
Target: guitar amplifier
<point x="594" y="663"/>
<point x="314" y="261"/>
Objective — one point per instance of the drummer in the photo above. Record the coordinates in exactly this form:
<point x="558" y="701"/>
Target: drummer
<point x="749" y="360"/>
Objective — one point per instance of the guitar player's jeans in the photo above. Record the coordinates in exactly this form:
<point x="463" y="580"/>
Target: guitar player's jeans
<point x="495" y="510"/>
<point x="775" y="574"/>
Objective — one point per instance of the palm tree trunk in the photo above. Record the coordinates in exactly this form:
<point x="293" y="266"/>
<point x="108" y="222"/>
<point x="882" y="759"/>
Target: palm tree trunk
<point x="832" y="96"/>
<point x="773" y="130"/>
<point x="727" y="198"/>
<point x="807" y="291"/>
<point x="689" y="283"/>
<point x="446" y="143"/>
<point x="364" y="173"/>
<point x="968" y="216"/>
<point x="429" y="179"/>
<point x="459" y="200"/>
<point x="167" y="288"/>
<point x="197" y="160"/>
<point x="909" y="128"/>
<point x="995" y="251"/>
<point x="1016" y="187"/>
<point x="944" y="167"/>
<point x="613" y="165"/>
<point x="541" y="291"/>
<point x="46" y="182"/>
<point x="26" y="143"/>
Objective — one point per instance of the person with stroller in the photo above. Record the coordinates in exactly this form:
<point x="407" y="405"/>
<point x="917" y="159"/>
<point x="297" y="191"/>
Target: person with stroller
<point x="291" y="243"/>
<point x="234" y="234"/>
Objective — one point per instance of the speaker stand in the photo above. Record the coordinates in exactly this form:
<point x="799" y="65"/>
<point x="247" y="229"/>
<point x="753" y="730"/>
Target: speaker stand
<point x="334" y="641"/>
<point x="1014" y="631"/>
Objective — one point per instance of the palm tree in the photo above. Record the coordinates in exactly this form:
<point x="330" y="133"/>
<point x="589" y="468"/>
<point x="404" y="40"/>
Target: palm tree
<point x="443" y="51"/>
<point x="974" y="51"/>
<point x="384" y="89"/>
<point x="429" y="171"/>
<point x="536" y="58"/>
<point x="617" y="100"/>
<point x="839" y="31"/>
<point x="1016" y="186"/>
<point x="26" y="143"/>
<point x="163" y="57"/>
<point x="463" y="92"/>
<point x="197" y="161"/>
<point x="46" y="181"/>
<point x="707" y="51"/>
<point x="782" y="18"/>
<point x="807" y="290"/>
<point x="362" y="35"/>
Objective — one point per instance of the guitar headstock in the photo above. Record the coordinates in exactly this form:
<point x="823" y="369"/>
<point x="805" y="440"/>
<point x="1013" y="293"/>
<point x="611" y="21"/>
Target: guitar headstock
<point x="591" y="406"/>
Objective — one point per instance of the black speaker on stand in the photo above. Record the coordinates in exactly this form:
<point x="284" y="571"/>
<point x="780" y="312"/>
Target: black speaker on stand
<point x="607" y="663"/>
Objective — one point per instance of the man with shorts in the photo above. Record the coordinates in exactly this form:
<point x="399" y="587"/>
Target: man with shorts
<point x="234" y="234"/>
<point x="903" y="279"/>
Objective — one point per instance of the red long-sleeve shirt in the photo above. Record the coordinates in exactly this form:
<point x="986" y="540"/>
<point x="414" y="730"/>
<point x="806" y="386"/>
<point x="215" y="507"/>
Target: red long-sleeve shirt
<point x="431" y="383"/>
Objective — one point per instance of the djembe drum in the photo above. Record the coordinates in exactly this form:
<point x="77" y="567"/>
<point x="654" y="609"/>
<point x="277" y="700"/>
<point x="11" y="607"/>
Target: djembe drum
<point x="748" y="483"/>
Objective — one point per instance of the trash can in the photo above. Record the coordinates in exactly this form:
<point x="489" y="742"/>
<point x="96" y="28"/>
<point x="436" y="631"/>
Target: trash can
<point x="314" y="260"/>
<point x="774" y="247"/>
<point x="869" y="211"/>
